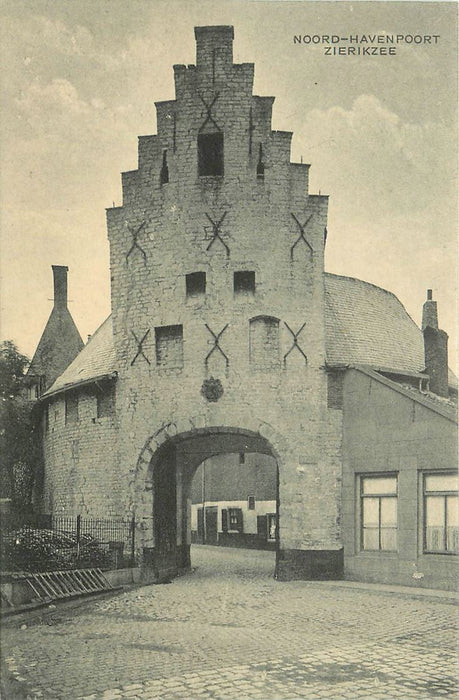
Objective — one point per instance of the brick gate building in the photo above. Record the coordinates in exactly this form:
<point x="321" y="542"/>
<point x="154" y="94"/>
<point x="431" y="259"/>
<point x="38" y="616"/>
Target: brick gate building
<point x="227" y="336"/>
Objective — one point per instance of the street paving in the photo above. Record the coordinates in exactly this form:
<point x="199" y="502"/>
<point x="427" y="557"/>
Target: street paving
<point x="229" y="630"/>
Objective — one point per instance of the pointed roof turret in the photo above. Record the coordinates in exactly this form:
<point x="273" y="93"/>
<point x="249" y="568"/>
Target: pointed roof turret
<point x="60" y="342"/>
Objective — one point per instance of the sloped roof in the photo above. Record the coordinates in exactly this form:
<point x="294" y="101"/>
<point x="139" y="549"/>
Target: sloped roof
<point x="96" y="360"/>
<point x="367" y="325"/>
<point x="59" y="344"/>
<point x="364" y="325"/>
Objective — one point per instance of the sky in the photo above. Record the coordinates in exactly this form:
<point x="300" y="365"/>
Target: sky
<point x="78" y="85"/>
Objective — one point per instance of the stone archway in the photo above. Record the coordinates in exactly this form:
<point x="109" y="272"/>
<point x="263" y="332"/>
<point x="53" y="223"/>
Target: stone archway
<point x="166" y="465"/>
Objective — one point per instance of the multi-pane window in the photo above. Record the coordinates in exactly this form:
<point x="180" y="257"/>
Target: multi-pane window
<point x="235" y="519"/>
<point x="210" y="154"/>
<point x="441" y="516"/>
<point x="378" y="496"/>
<point x="169" y="346"/>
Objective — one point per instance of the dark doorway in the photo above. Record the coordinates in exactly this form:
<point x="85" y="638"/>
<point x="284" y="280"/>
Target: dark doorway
<point x="165" y="509"/>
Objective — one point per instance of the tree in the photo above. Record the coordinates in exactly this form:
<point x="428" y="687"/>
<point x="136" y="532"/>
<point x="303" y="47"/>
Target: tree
<point x="20" y="454"/>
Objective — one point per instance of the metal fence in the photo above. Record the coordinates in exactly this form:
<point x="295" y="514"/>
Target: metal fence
<point x="53" y="543"/>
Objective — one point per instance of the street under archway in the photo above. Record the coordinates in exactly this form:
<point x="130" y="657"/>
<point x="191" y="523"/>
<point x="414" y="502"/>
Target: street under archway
<point x="172" y="468"/>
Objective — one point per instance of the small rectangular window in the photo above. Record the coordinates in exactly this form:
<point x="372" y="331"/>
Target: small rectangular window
<point x="251" y="502"/>
<point x="210" y="154"/>
<point x="71" y="408"/>
<point x="441" y="513"/>
<point x="169" y="346"/>
<point x="195" y="284"/>
<point x="378" y="513"/>
<point x="244" y="282"/>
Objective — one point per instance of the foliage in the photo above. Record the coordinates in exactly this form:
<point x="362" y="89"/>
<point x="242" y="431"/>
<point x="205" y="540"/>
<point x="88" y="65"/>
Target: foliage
<point x="29" y="549"/>
<point x="19" y="430"/>
<point x="13" y="366"/>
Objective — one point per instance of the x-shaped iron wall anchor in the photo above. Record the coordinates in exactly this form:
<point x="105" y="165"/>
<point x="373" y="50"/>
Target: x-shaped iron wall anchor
<point x="216" y="232"/>
<point x="140" y="351"/>
<point x="209" y="118"/>
<point x="295" y="343"/>
<point x="302" y="235"/>
<point x="216" y="345"/>
<point x="135" y="244"/>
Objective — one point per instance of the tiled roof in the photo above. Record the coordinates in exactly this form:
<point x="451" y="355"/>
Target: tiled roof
<point x="97" y="359"/>
<point x="365" y="325"/>
<point x="368" y="325"/>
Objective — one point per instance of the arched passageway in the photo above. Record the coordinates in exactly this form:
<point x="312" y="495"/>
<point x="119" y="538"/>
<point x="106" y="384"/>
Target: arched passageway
<point x="172" y="469"/>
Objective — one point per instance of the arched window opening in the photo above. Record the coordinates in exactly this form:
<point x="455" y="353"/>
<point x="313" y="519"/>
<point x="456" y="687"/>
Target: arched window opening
<point x="264" y="342"/>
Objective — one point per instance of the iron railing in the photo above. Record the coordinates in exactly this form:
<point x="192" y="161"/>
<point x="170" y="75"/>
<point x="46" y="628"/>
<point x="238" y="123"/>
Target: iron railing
<point x="55" y="542"/>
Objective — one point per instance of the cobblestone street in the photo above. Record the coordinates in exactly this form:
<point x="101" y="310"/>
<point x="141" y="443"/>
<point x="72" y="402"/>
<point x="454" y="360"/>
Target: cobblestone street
<point x="228" y="630"/>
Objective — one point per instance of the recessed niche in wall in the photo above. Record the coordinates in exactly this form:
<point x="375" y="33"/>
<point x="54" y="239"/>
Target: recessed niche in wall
<point x="195" y="284"/>
<point x="169" y="346"/>
<point x="210" y="154"/>
<point x="244" y="282"/>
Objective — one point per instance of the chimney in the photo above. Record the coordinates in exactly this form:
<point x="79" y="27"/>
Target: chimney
<point x="60" y="286"/>
<point x="435" y="348"/>
<point x="214" y="47"/>
<point x="429" y="312"/>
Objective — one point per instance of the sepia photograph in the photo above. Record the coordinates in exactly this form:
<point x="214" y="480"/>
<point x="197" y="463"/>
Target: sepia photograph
<point x="228" y="349"/>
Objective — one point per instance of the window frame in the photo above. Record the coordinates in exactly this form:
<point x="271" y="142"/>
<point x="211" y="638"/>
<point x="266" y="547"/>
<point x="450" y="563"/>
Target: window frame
<point x="377" y="495"/>
<point x="237" y="512"/>
<point x="445" y="494"/>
